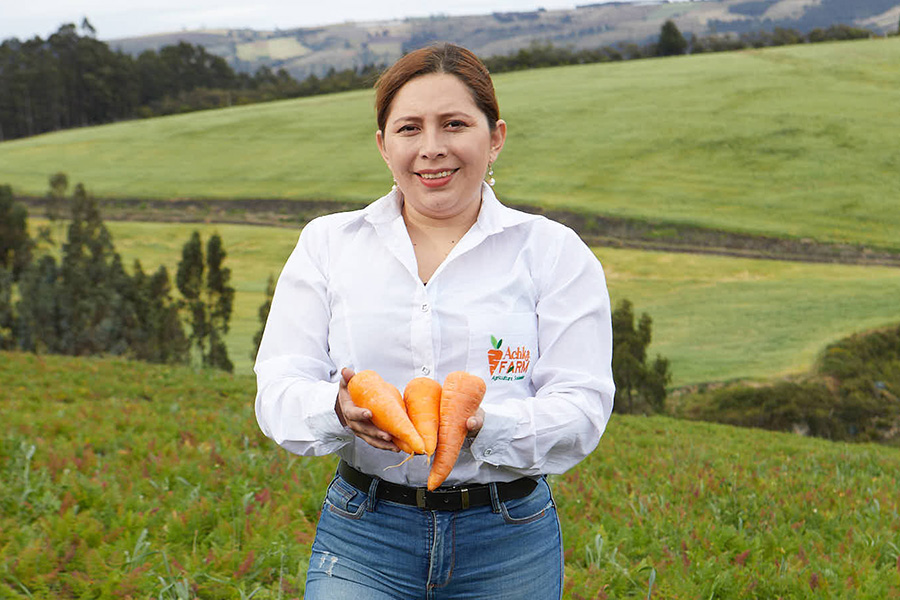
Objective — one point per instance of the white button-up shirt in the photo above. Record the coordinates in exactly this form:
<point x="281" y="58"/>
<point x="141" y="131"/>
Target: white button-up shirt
<point x="520" y="301"/>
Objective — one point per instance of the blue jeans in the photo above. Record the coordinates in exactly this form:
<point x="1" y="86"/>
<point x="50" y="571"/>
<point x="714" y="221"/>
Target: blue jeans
<point x="369" y="549"/>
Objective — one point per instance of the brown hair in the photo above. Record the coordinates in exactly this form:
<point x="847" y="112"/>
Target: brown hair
<point x="439" y="58"/>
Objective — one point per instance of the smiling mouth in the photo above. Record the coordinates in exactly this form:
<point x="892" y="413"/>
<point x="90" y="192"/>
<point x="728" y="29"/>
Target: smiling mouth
<point x="438" y="174"/>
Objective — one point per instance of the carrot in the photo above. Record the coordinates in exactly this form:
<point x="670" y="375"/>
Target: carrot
<point x="368" y="390"/>
<point x="462" y="394"/>
<point x="422" y="398"/>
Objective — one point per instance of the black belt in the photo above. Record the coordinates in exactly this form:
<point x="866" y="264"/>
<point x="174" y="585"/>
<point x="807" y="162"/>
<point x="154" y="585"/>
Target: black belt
<point x="449" y="498"/>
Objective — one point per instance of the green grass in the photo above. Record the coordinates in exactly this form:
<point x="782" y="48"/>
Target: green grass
<point x="719" y="318"/>
<point x="172" y="487"/>
<point x="715" y="318"/>
<point x="793" y="141"/>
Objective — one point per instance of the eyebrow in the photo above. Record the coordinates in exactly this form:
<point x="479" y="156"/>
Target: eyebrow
<point x="453" y="113"/>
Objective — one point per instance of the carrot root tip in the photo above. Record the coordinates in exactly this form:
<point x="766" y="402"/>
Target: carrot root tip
<point x="400" y="463"/>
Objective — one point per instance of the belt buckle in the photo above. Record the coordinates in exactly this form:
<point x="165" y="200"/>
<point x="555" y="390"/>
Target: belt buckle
<point x="463" y="494"/>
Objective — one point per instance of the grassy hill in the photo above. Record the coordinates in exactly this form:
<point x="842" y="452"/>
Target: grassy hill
<point x="171" y="491"/>
<point x="793" y="141"/>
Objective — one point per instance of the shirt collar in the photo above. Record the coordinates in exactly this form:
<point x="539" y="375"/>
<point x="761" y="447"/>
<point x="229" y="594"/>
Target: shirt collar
<point x="492" y="218"/>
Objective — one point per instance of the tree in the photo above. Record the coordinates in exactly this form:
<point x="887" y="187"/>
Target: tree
<point x="263" y="315"/>
<point x="642" y="386"/>
<point x="56" y="201"/>
<point x="671" y="42"/>
<point x="38" y="315"/>
<point x="220" y="301"/>
<point x="15" y="245"/>
<point x="7" y="315"/>
<point x="88" y="304"/>
<point x="209" y="306"/>
<point x="158" y="335"/>
<point x="189" y="279"/>
<point x="90" y="276"/>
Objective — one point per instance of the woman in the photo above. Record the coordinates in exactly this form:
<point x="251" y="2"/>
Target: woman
<point x="434" y="277"/>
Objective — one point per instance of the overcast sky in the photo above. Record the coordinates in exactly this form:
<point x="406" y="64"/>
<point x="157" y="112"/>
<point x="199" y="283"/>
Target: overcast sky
<point x="113" y="19"/>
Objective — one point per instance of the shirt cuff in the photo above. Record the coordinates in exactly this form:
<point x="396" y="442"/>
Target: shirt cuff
<point x="493" y="440"/>
<point x="323" y="421"/>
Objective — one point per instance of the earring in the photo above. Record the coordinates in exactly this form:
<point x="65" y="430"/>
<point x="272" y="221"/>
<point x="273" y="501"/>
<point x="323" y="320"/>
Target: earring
<point x="394" y="187"/>
<point x="491" y="181"/>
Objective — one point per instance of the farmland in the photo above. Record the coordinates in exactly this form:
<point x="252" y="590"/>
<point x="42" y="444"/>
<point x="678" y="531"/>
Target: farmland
<point x="715" y="318"/>
<point x="124" y="479"/>
<point x="172" y="488"/>
<point x="793" y="141"/>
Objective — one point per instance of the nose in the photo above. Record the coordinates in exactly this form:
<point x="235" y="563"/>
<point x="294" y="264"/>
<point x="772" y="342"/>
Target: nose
<point x="433" y="144"/>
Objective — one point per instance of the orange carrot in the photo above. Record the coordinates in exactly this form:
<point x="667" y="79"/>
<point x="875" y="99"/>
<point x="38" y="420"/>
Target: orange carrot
<point x="422" y="398"/>
<point x="462" y="394"/>
<point x="368" y="390"/>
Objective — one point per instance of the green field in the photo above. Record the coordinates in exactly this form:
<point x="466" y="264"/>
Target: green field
<point x="172" y="492"/>
<point x="127" y="480"/>
<point x="792" y="141"/>
<point x="715" y="318"/>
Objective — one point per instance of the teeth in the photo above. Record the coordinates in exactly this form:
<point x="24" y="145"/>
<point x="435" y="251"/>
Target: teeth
<point x="436" y="175"/>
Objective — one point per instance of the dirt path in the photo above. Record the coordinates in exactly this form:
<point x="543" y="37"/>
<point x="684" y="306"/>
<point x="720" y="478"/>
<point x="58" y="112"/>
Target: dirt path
<point x="594" y="229"/>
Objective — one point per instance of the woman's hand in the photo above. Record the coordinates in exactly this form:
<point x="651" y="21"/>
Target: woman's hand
<point x="360" y="419"/>
<point x="475" y="423"/>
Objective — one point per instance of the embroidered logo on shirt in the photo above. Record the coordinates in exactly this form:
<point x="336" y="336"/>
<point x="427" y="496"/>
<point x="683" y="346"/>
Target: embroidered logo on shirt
<point x="507" y="364"/>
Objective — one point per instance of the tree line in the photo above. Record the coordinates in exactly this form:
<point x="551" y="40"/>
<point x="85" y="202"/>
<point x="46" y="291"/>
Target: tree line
<point x="71" y="79"/>
<point x="75" y="297"/>
<point x="670" y="42"/>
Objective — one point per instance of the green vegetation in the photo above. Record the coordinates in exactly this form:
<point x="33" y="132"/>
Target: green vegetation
<point x="671" y="42"/>
<point x="72" y="80"/>
<point x="792" y="141"/>
<point x="852" y="394"/>
<point x="714" y="318"/>
<point x="174" y="489"/>
<point x="718" y="318"/>
<point x="640" y="385"/>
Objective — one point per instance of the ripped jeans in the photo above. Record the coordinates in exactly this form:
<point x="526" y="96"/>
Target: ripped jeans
<point x="382" y="550"/>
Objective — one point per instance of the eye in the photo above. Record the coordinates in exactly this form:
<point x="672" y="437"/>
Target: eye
<point x="407" y="128"/>
<point x="456" y="124"/>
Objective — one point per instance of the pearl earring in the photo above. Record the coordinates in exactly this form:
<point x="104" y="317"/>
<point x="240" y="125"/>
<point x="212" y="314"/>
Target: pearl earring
<point x="394" y="187"/>
<point x="491" y="181"/>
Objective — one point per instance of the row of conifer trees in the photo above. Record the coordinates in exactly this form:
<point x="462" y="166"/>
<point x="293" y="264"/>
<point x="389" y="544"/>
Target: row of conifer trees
<point x="66" y="290"/>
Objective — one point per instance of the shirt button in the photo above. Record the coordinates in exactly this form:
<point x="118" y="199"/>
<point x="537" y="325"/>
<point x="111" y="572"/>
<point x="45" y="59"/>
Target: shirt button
<point x="488" y="452"/>
<point x="425" y="370"/>
<point x="425" y="307"/>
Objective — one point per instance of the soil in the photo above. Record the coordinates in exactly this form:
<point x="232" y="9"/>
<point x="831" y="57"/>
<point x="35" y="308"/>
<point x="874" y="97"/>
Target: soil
<point x="596" y="230"/>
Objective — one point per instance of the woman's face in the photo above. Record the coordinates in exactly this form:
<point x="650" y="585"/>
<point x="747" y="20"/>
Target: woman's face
<point x="437" y="144"/>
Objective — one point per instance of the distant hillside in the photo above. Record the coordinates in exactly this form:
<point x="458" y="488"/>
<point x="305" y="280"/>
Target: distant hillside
<point x="305" y="51"/>
<point x="796" y="142"/>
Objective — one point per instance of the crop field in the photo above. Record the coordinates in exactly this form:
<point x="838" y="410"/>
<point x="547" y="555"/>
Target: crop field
<point x="794" y="141"/>
<point x="127" y="480"/>
<point x="715" y="318"/>
<point x="123" y="480"/>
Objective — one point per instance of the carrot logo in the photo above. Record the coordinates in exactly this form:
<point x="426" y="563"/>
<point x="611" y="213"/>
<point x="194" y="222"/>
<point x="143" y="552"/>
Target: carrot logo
<point x="507" y="364"/>
<point x="494" y="354"/>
